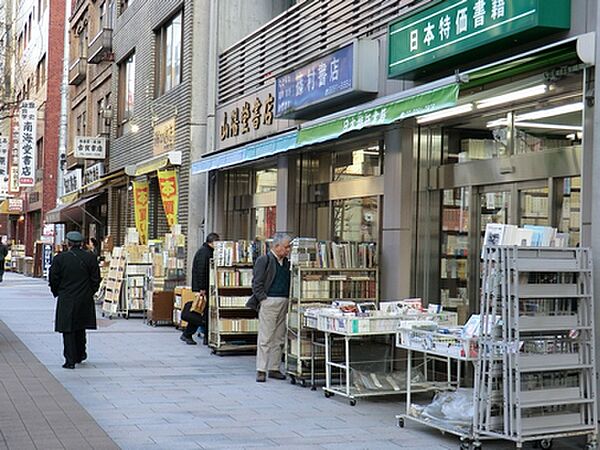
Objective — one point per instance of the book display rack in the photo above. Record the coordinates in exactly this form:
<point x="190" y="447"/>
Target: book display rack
<point x="233" y="328"/>
<point x="310" y="286"/>
<point x="535" y="376"/>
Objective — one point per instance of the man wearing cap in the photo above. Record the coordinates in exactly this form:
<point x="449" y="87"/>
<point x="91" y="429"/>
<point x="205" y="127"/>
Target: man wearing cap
<point x="74" y="278"/>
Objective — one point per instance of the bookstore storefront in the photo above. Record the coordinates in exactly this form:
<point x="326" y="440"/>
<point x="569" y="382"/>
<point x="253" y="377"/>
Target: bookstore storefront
<point x="334" y="192"/>
<point x="510" y="152"/>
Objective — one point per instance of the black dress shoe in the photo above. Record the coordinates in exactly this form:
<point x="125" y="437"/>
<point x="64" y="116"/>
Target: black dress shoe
<point x="188" y="340"/>
<point x="276" y="374"/>
<point x="68" y="366"/>
<point x="261" y="377"/>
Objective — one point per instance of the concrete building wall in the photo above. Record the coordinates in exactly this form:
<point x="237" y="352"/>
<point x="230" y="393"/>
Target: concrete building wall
<point x="229" y="20"/>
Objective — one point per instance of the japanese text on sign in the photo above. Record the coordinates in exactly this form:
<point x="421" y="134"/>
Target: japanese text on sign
<point x="167" y="182"/>
<point x="452" y="28"/>
<point x="140" y="206"/>
<point x="90" y="147"/>
<point x="27" y="143"/>
<point x="72" y="181"/>
<point x="241" y="120"/>
<point x="93" y="173"/>
<point x="325" y="77"/>
<point x="4" y="157"/>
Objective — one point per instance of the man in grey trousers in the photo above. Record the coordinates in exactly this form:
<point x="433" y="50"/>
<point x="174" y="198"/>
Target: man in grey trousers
<point x="271" y="288"/>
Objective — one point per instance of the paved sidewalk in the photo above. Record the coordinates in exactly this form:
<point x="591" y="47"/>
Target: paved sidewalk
<point x="148" y="390"/>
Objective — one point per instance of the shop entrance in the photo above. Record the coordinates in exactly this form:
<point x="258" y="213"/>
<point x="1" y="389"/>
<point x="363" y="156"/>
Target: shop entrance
<point x="467" y="210"/>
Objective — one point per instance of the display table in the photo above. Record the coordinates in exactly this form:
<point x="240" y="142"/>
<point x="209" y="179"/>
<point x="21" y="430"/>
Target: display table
<point x="388" y="382"/>
<point x="441" y="347"/>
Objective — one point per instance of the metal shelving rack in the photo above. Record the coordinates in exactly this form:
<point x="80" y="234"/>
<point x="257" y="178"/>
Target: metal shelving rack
<point x="304" y="346"/>
<point x="221" y="339"/>
<point x="535" y="376"/>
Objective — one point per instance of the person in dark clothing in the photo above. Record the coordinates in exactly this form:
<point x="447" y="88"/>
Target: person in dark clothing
<point x="74" y="279"/>
<point x="3" y="253"/>
<point x="200" y="280"/>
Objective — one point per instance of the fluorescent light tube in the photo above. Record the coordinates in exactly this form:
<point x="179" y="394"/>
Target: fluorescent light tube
<point x="548" y="126"/>
<point x="512" y="96"/>
<point x="551" y="112"/>
<point x="450" y="112"/>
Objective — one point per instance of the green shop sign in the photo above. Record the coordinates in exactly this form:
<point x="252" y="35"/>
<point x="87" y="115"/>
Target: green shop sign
<point x="453" y="32"/>
<point x="387" y="113"/>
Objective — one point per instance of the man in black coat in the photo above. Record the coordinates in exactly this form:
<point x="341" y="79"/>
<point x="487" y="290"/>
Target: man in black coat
<point x="3" y="253"/>
<point x="74" y="279"/>
<point x="200" y="282"/>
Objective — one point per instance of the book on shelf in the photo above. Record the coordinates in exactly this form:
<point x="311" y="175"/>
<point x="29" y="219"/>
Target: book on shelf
<point x="309" y="252"/>
<point x="229" y="253"/>
<point x="234" y="278"/>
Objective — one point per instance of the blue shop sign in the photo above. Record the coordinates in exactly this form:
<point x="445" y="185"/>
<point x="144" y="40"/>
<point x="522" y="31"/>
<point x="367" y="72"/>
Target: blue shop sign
<point x="322" y="79"/>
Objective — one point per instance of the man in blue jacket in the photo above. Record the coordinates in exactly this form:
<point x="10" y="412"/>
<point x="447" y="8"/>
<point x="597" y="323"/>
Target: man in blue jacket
<point x="271" y="289"/>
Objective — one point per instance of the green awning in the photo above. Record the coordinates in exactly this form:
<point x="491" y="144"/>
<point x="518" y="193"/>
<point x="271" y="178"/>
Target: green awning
<point x="383" y="114"/>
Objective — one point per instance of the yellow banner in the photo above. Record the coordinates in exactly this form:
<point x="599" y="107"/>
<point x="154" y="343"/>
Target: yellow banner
<point x="140" y="204"/>
<point x="167" y="182"/>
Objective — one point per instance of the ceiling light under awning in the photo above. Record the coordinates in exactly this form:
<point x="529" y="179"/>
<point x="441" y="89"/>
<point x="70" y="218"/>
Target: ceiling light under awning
<point x="449" y="112"/>
<point x="514" y="96"/>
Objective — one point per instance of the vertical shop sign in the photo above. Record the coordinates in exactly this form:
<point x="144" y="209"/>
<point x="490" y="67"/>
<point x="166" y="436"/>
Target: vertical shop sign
<point x="3" y="165"/>
<point x="167" y="182"/>
<point x="140" y="205"/>
<point x="13" y="182"/>
<point x="47" y="259"/>
<point x="27" y="143"/>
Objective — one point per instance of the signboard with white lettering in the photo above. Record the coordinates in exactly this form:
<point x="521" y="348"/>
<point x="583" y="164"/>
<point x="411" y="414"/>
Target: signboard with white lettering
<point x="90" y="147"/>
<point x="93" y="173"/>
<point x="15" y="205"/>
<point x="27" y="143"/>
<point x="453" y="28"/>
<point x="348" y="72"/>
<point x="4" y="157"/>
<point x="47" y="258"/>
<point x="72" y="181"/>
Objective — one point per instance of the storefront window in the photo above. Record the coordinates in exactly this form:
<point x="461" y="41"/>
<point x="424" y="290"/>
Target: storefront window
<point x="362" y="162"/>
<point x="455" y="247"/>
<point x="266" y="180"/>
<point x="540" y="113"/>
<point x="265" y="222"/>
<point x="570" y="210"/>
<point x="534" y="207"/>
<point x="356" y="219"/>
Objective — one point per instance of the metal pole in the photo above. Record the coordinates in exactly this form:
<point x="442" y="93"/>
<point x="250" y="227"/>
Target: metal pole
<point x="64" y="95"/>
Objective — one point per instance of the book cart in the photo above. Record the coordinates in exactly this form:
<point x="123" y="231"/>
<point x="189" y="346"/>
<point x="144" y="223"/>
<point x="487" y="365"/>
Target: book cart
<point x="435" y="348"/>
<point x="310" y="287"/>
<point x="535" y="376"/>
<point x="350" y="382"/>
<point x="233" y="328"/>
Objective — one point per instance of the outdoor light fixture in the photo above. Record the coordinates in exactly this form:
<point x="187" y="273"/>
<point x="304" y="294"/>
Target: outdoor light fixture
<point x="512" y="96"/>
<point x="551" y="112"/>
<point x="135" y="128"/>
<point x="444" y="113"/>
<point x="541" y="114"/>
<point x="548" y="126"/>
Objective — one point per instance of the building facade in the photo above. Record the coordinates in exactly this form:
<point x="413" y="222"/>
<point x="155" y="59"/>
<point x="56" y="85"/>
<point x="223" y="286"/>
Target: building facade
<point x="34" y="46"/>
<point x="83" y="196"/>
<point x="407" y="153"/>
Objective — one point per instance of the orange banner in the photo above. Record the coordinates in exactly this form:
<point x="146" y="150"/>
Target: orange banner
<point x="167" y="182"/>
<point x="140" y="204"/>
